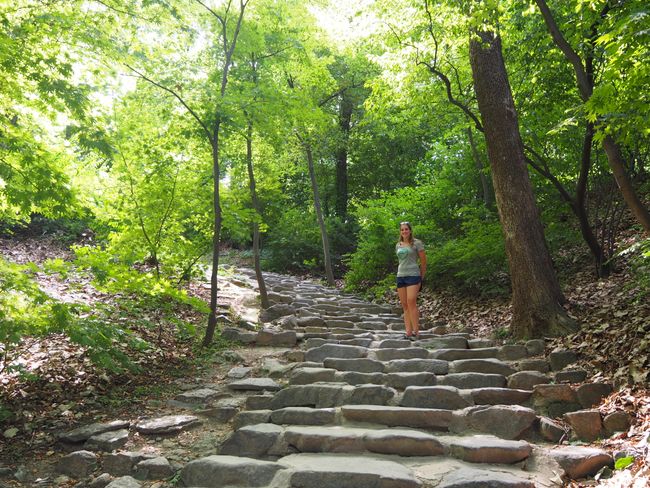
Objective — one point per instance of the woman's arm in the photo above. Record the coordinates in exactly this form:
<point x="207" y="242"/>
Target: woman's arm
<point x="423" y="263"/>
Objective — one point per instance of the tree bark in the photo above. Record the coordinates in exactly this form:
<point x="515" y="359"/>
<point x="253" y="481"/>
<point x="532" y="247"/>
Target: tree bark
<point x="264" y="297"/>
<point x="319" y="215"/>
<point x="536" y="294"/>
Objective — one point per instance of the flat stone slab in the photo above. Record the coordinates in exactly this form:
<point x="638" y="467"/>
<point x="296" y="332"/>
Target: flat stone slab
<point x="347" y="471"/>
<point x="325" y="439"/>
<point x="427" y="418"/>
<point x="403" y="443"/>
<point x="435" y="366"/>
<point x="476" y="478"/>
<point x="239" y="372"/>
<point x="319" y="354"/>
<point x="355" y="378"/>
<point x="579" y="462"/>
<point x="254" y="384"/>
<point x="197" y="397"/>
<point x="305" y="376"/>
<point x="124" y="482"/>
<point x="446" y="342"/>
<point x="488" y="366"/>
<point x="488" y="449"/>
<point x="442" y="397"/>
<point x="255" y="441"/>
<point x="303" y="416"/>
<point x="389" y="354"/>
<point x="107" y="441"/>
<point x="500" y="396"/>
<point x="402" y="381"/>
<point x="504" y="421"/>
<point x="456" y="354"/>
<point x="84" y="433"/>
<point x="473" y="380"/>
<point x="169" y="424"/>
<point x="361" y="365"/>
<point x="229" y="471"/>
<point x="320" y="395"/>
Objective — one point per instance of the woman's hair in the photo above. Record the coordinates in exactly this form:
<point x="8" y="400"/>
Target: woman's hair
<point x="410" y="239"/>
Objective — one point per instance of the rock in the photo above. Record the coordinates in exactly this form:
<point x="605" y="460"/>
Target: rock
<point x="571" y="376"/>
<point x="101" y="481"/>
<point x="251" y="417"/>
<point x="325" y="439"/>
<point x="403" y="443"/>
<point x="305" y="376"/>
<point x="445" y="397"/>
<point x="354" y="378"/>
<point x="303" y="416"/>
<point x="361" y="365"/>
<point x="402" y="381"/>
<point x="310" y="322"/>
<point x="319" y="395"/>
<point x="591" y="394"/>
<point x="435" y="366"/>
<point x="266" y="337"/>
<point x="480" y="343"/>
<point x="124" y="482"/>
<point x="123" y="463"/>
<point x="551" y="430"/>
<point x="371" y="395"/>
<point x="239" y="372"/>
<point x="473" y="380"/>
<point x="544" y="395"/>
<point x="446" y="342"/>
<point x="294" y="356"/>
<point x="86" y="432"/>
<point x="535" y="347"/>
<point x="78" y="464"/>
<point x="107" y="441"/>
<point x="276" y="311"/>
<point x="579" y="462"/>
<point x="617" y="422"/>
<point x="560" y="359"/>
<point x="476" y="478"/>
<point x="236" y="335"/>
<point x="504" y="421"/>
<point x="229" y="471"/>
<point x="198" y="397"/>
<point x="540" y="365"/>
<point x="488" y="449"/>
<point x="427" y="418"/>
<point x="154" y="469"/>
<point x="487" y="366"/>
<point x="586" y="424"/>
<point x="526" y="380"/>
<point x="254" y="441"/>
<point x="512" y="352"/>
<point x="254" y="384"/>
<point x="319" y="354"/>
<point x="400" y="353"/>
<point x="500" y="396"/>
<point x="170" y="424"/>
<point x="456" y="354"/>
<point x="258" y="402"/>
<point x="276" y="369"/>
<point x="346" y="471"/>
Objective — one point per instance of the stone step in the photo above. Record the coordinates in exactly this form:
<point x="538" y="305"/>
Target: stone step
<point x="457" y="354"/>
<point x="323" y="395"/>
<point x="264" y="440"/>
<point x="393" y="416"/>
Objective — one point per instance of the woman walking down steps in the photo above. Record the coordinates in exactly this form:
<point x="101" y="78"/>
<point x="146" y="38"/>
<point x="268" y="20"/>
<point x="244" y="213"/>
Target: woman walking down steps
<point x="409" y="277"/>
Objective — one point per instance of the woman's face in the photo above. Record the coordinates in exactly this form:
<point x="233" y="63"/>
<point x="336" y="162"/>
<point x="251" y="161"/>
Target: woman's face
<point x="404" y="231"/>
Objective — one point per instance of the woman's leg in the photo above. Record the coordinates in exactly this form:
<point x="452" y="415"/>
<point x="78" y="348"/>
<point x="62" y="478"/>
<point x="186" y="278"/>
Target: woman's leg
<point x="401" y="293"/>
<point x="412" y="307"/>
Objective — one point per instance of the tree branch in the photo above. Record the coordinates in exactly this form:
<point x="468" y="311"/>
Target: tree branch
<point x="178" y="97"/>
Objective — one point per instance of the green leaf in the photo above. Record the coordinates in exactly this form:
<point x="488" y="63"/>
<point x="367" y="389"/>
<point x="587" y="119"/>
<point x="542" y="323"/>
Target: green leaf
<point x="624" y="462"/>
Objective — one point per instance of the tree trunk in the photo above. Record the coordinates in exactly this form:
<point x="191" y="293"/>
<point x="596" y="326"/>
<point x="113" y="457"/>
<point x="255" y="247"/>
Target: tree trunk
<point x="345" y="122"/>
<point x="617" y="165"/>
<point x="216" y="237"/>
<point x="319" y="216"/>
<point x="487" y="192"/>
<point x="536" y="294"/>
<point x="264" y="297"/>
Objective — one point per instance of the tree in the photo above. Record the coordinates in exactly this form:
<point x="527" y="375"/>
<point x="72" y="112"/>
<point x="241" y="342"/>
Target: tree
<point x="536" y="294"/>
<point x="585" y="82"/>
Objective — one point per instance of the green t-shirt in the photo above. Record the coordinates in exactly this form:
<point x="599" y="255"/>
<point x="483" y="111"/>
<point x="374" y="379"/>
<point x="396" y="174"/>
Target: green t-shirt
<point x="408" y="258"/>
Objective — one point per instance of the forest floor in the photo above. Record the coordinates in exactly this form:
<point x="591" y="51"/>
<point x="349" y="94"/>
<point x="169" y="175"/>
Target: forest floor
<point x="61" y="388"/>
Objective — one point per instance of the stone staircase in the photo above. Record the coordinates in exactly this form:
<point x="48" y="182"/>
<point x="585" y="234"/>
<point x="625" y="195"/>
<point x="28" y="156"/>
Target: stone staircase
<point x="361" y="407"/>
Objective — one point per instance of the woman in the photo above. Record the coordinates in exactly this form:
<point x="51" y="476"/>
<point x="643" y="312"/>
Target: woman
<point x="409" y="277"/>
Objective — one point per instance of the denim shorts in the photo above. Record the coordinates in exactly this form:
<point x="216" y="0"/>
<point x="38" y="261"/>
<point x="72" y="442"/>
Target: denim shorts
<point x="403" y="281"/>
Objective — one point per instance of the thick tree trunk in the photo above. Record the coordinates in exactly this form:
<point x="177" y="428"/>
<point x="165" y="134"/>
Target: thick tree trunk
<point x="319" y="216"/>
<point x="536" y="294"/>
<point x="345" y="123"/>
<point x="264" y="297"/>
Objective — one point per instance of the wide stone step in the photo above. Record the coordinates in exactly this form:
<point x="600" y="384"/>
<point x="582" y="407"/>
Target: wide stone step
<point x="392" y="416"/>
<point x="324" y="395"/>
<point x="456" y="354"/>
<point x="487" y="366"/>
<point x="344" y="471"/>
<point x="487" y="449"/>
<point x="388" y="354"/>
